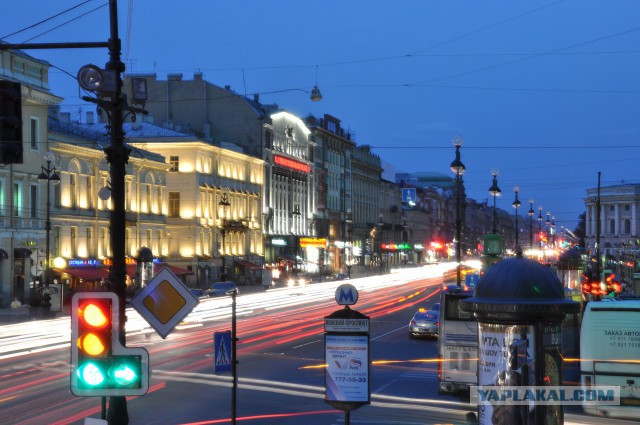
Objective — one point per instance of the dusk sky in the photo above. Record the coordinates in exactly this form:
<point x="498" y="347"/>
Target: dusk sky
<point x="548" y="92"/>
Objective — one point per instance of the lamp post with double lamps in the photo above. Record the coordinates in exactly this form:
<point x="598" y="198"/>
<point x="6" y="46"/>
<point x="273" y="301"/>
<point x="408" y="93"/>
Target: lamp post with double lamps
<point x="495" y="191"/>
<point x="516" y="204"/>
<point x="48" y="175"/>
<point x="458" y="168"/>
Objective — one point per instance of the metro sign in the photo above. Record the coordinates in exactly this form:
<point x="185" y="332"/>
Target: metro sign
<point x="290" y="163"/>
<point x="346" y="294"/>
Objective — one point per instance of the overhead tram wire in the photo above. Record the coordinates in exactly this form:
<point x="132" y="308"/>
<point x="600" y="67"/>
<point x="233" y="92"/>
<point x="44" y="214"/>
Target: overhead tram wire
<point x="46" y="19"/>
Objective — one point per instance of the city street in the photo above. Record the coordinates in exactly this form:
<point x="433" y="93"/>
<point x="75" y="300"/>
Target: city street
<point x="280" y="353"/>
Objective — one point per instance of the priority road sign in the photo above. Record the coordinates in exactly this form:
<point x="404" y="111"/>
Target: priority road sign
<point x="222" y="351"/>
<point x="164" y="302"/>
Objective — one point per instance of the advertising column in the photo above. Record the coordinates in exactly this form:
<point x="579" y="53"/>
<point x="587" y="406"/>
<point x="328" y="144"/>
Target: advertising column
<point x="347" y="358"/>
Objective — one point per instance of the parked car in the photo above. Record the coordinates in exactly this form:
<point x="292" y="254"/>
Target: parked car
<point x="424" y="323"/>
<point x="219" y="289"/>
<point x="197" y="292"/>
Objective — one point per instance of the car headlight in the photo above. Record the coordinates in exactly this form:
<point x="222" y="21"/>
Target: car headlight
<point x="302" y="282"/>
<point x="291" y="282"/>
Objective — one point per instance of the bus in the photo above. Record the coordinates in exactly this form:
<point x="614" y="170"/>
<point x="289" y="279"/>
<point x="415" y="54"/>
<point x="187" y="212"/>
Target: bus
<point x="609" y="353"/>
<point x="457" y="344"/>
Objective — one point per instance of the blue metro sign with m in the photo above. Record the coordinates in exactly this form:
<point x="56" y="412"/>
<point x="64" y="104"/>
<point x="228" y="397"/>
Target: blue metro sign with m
<point x="346" y="294"/>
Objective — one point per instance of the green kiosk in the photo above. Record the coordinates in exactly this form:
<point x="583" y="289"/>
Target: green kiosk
<point x="492" y="247"/>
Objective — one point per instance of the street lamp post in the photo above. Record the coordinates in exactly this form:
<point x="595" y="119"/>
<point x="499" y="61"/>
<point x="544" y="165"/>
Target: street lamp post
<point x="531" y="213"/>
<point x="224" y="203"/>
<point x="516" y="204"/>
<point x="48" y="175"/>
<point x="349" y="222"/>
<point x="495" y="191"/>
<point x="458" y="168"/>
<point x="381" y="228"/>
<point x="540" y="225"/>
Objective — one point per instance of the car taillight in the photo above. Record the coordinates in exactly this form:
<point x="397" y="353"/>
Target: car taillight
<point x="413" y="322"/>
<point x="437" y="323"/>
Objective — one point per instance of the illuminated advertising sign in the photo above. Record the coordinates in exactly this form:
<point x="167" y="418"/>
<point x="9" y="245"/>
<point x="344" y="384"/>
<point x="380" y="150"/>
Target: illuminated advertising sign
<point x="290" y="163"/>
<point x="315" y="242"/>
<point x="83" y="263"/>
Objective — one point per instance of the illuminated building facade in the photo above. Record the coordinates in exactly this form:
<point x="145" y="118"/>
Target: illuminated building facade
<point x="289" y="198"/>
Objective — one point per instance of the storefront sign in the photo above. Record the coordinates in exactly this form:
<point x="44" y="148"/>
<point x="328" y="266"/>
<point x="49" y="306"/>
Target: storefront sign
<point x="314" y="242"/>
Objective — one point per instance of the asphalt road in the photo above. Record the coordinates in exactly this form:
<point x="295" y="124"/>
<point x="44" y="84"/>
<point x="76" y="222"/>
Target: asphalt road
<point x="280" y="370"/>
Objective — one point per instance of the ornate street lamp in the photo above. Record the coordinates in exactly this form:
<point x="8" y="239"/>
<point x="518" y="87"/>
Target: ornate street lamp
<point x="224" y="203"/>
<point x="458" y="168"/>
<point x="516" y="204"/>
<point x="531" y="213"/>
<point x="48" y="175"/>
<point x="495" y="191"/>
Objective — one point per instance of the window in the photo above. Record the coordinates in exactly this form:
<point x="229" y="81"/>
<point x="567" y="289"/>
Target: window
<point x="612" y="227"/>
<point x="174" y="204"/>
<point x="627" y="226"/>
<point x="174" y="160"/>
<point x="90" y="250"/>
<point x="34" y="138"/>
<point x="268" y="139"/>
<point x="72" y="191"/>
<point x="33" y="202"/>
<point x="56" y="241"/>
<point x="17" y="199"/>
<point x="147" y="205"/>
<point x="149" y="231"/>
<point x="612" y="208"/>
<point x="158" y="208"/>
<point x="57" y="195"/>
<point x="90" y="193"/>
<point x="74" y="240"/>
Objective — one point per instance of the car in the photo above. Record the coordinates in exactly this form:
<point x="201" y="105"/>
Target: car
<point x="298" y="280"/>
<point x="219" y="289"/>
<point x="424" y="323"/>
<point x="197" y="292"/>
<point x="435" y="308"/>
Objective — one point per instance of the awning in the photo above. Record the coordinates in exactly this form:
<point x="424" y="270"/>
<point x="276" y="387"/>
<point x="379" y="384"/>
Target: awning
<point x="21" y="252"/>
<point x="3" y="254"/>
<point x="178" y="271"/>
<point x="247" y="264"/>
<point x="90" y="273"/>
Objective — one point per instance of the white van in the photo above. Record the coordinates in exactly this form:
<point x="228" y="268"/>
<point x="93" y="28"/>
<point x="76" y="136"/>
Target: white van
<point x="457" y="344"/>
<point x="610" y="354"/>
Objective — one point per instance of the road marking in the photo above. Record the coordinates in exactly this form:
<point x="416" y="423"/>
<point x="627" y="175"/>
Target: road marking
<point x="389" y="333"/>
<point x="308" y="343"/>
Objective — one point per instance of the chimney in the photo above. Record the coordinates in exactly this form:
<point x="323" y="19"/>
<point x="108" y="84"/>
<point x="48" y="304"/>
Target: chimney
<point x="174" y="77"/>
<point x="227" y="87"/>
<point x="256" y="97"/>
<point x="197" y="76"/>
<point x="90" y="117"/>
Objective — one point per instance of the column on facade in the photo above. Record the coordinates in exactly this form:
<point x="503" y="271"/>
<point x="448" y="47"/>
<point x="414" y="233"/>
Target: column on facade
<point x="616" y="220"/>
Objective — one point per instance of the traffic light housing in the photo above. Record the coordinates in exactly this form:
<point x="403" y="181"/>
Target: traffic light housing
<point x="100" y="364"/>
<point x="10" y="122"/>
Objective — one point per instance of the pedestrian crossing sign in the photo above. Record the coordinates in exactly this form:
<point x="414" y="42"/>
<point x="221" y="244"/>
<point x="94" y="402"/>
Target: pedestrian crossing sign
<point x="222" y="351"/>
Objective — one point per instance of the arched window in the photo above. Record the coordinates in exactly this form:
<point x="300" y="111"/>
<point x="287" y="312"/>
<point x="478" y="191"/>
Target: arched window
<point x="627" y="227"/>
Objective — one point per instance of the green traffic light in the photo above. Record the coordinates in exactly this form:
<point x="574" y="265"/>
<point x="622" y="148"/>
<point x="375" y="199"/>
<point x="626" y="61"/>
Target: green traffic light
<point x="91" y="375"/>
<point x="124" y="375"/>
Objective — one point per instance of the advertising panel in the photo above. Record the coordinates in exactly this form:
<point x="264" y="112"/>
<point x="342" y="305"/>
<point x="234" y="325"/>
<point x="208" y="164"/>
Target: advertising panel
<point x="347" y="368"/>
<point x="506" y="358"/>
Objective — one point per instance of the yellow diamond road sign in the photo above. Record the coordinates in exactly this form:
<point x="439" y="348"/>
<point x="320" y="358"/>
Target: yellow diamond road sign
<point x="164" y="302"/>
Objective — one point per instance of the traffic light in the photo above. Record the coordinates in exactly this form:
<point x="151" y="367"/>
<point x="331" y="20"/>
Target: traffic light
<point x="10" y="123"/>
<point x="100" y="364"/>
